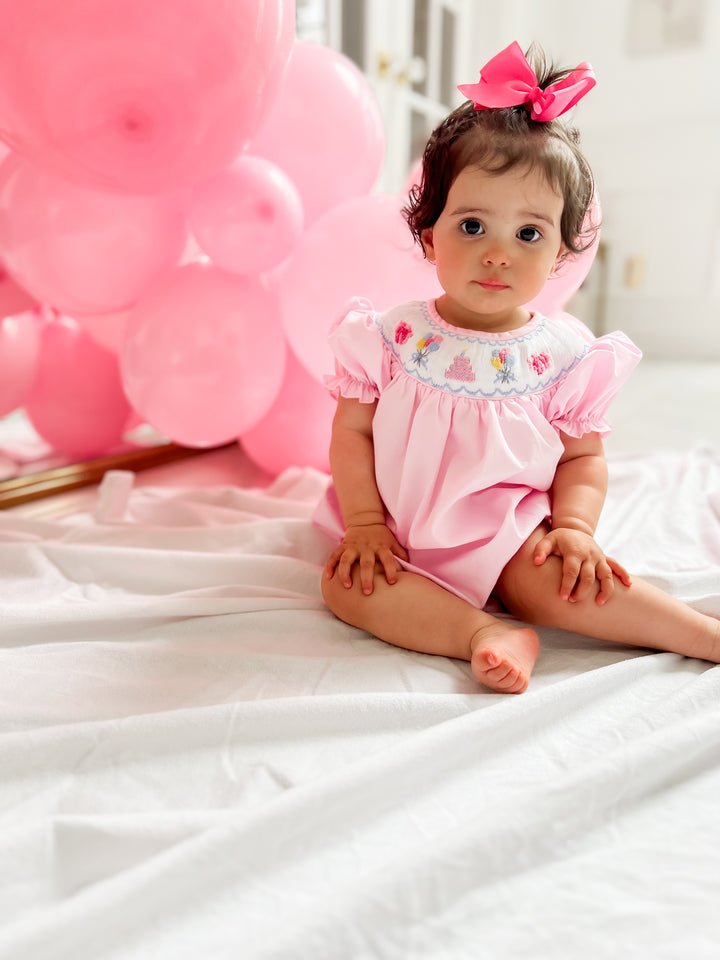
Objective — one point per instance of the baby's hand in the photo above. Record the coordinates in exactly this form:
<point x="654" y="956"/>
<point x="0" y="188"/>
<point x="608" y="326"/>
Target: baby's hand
<point x="364" y="545"/>
<point x="583" y="563"/>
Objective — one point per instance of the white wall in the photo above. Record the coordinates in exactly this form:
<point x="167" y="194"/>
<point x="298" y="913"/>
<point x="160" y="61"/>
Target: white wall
<point x="651" y="129"/>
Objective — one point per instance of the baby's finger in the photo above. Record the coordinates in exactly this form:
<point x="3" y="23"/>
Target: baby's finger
<point x="390" y="566"/>
<point x="332" y="562"/>
<point x="585" y="582"/>
<point x="367" y="572"/>
<point x="620" y="572"/>
<point x="400" y="551"/>
<point x="543" y="549"/>
<point x="607" y="583"/>
<point x="344" y="566"/>
<point x="571" y="571"/>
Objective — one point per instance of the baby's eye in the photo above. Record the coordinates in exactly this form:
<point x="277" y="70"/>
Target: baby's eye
<point x="529" y="234"/>
<point x="471" y="227"/>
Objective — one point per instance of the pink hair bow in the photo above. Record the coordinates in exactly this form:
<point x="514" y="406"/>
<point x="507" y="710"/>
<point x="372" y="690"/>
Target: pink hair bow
<point x="508" y="80"/>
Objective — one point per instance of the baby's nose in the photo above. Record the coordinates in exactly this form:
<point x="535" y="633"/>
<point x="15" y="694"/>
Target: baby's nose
<point x="496" y="255"/>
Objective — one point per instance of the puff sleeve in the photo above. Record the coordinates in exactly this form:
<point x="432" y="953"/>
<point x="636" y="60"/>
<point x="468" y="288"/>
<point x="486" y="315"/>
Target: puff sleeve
<point x="580" y="400"/>
<point x="362" y="364"/>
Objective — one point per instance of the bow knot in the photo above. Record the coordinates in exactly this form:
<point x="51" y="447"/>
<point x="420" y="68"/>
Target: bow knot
<point x="508" y="80"/>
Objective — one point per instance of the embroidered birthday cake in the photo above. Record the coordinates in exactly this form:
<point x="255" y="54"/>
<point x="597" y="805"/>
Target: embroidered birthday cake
<point x="460" y="369"/>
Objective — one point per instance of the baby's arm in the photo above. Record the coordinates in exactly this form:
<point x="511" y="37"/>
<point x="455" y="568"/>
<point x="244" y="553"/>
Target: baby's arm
<point x="577" y="495"/>
<point x="352" y="461"/>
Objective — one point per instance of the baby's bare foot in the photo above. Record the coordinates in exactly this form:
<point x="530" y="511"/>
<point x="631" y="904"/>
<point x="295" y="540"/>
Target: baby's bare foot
<point x="502" y="656"/>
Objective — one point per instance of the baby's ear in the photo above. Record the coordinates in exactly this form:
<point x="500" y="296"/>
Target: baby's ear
<point x="426" y="238"/>
<point x="562" y="255"/>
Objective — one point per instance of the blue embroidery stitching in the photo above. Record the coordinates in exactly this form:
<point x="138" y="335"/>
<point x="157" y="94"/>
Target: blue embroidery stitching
<point x="506" y="383"/>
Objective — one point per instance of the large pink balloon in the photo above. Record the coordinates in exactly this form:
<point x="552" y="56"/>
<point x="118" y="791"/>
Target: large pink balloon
<point x="77" y="404"/>
<point x="204" y="355"/>
<point x="19" y="348"/>
<point x="107" y="329"/>
<point x="325" y="129"/>
<point x="80" y="250"/>
<point x="296" y="429"/>
<point x="248" y="218"/>
<point x="137" y="95"/>
<point x="565" y="282"/>
<point x="360" y="248"/>
<point x="13" y="299"/>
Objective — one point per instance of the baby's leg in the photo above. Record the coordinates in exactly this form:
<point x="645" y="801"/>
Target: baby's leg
<point x="417" y="614"/>
<point x="640" y="615"/>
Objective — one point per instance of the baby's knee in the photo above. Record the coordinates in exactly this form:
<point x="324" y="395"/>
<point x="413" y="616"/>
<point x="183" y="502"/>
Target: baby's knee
<point x="339" y="599"/>
<point x="531" y="592"/>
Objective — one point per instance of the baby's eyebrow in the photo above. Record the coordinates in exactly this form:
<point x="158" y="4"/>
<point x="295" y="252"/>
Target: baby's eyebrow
<point x="534" y="215"/>
<point x="522" y="214"/>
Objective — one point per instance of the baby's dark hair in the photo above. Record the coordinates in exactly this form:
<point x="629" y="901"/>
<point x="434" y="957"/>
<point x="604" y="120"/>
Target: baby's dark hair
<point x="502" y="139"/>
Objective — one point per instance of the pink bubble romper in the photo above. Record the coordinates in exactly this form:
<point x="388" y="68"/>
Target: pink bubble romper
<point x="466" y="430"/>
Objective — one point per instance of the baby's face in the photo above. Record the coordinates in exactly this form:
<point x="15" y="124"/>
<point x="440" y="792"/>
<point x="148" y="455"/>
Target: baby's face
<point x="495" y="244"/>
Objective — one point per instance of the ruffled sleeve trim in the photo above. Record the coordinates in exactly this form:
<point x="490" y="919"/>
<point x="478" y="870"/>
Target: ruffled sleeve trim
<point x="362" y="365"/>
<point x="579" y="402"/>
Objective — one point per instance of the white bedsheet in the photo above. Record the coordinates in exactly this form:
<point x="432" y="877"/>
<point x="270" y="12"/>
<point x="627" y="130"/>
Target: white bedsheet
<point x="198" y="761"/>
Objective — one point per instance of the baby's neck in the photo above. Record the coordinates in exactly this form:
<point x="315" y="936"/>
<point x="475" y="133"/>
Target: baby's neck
<point x="502" y="322"/>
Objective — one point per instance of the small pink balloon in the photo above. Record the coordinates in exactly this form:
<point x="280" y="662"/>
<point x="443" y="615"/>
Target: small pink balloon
<point x="19" y="350"/>
<point x="296" y="429"/>
<point x="77" y="403"/>
<point x="204" y="355"/>
<point x="325" y="129"/>
<point x="248" y="218"/>
<point x="137" y="96"/>
<point x="80" y="250"/>
<point x="565" y="282"/>
<point x="360" y="248"/>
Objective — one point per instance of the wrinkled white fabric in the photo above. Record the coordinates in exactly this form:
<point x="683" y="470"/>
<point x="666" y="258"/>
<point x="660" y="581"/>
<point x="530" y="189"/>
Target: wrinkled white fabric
<point x="197" y="760"/>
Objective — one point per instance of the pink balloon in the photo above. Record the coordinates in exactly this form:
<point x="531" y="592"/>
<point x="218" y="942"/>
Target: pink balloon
<point x="13" y="299"/>
<point x="248" y="218"/>
<point x="565" y="282"/>
<point x="414" y="177"/>
<point x="107" y="329"/>
<point x="19" y="349"/>
<point x="296" y="429"/>
<point x="77" y="404"/>
<point x="204" y="355"/>
<point x="325" y="129"/>
<point x="80" y="250"/>
<point x="136" y="95"/>
<point x="360" y="248"/>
